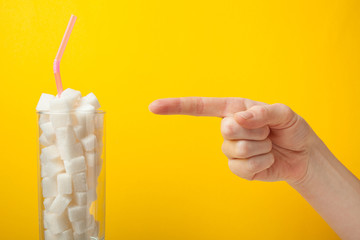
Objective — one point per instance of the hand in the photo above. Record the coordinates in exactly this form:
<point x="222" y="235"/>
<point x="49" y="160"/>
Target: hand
<point x="262" y="142"/>
<point x="271" y="143"/>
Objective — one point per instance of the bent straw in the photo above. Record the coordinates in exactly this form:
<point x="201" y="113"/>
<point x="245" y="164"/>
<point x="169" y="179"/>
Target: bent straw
<point x="61" y="52"/>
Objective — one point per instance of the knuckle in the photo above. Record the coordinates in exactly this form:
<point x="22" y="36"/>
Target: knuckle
<point x="252" y="166"/>
<point x="199" y="106"/>
<point x="261" y="110"/>
<point x="264" y="133"/>
<point x="284" y="109"/>
<point x="227" y="128"/>
<point x="242" y="149"/>
<point x="240" y="170"/>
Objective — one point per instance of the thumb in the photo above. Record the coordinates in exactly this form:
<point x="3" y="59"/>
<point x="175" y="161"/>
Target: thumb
<point x="276" y="116"/>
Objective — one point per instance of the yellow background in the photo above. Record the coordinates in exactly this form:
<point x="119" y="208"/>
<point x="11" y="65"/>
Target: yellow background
<point x="166" y="176"/>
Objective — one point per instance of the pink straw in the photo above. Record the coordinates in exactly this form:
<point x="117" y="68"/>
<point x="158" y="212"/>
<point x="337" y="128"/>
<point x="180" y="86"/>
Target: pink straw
<point x="61" y="52"/>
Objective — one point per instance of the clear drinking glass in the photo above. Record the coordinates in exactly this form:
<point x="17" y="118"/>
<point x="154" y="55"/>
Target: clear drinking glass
<point x="71" y="175"/>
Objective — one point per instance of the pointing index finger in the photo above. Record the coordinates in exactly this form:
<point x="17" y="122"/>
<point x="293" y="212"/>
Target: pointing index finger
<point x="199" y="106"/>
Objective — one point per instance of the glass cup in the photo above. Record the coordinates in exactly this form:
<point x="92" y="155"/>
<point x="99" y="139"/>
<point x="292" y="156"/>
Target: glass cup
<point x="71" y="175"/>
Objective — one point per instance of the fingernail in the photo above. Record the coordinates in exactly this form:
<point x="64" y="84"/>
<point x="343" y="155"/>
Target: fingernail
<point x="245" y="115"/>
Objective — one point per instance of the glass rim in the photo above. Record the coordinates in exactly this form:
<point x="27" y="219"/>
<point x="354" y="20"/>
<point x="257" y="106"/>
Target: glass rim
<point x="72" y="111"/>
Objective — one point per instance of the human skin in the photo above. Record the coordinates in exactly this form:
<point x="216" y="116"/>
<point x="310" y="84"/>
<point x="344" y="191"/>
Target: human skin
<point x="272" y="143"/>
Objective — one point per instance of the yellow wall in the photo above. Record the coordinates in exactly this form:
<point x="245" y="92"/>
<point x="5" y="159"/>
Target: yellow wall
<point x="166" y="176"/>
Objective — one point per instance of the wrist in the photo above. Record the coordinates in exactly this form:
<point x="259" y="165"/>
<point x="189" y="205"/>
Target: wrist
<point x="319" y="157"/>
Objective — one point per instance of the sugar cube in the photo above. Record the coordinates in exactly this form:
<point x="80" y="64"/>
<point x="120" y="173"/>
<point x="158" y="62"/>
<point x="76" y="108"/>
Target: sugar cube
<point x="59" y="204"/>
<point x="90" y="220"/>
<point x="80" y="198"/>
<point x="71" y="151"/>
<point x="49" y="235"/>
<point x="90" y="99"/>
<point x="66" y="235"/>
<point x="86" y="108"/>
<point x="49" y="154"/>
<point x="45" y="219"/>
<point x="79" y="182"/>
<point x="91" y="177"/>
<point x="99" y="122"/>
<point x="50" y="169"/>
<point x="60" y="119"/>
<point x="90" y="158"/>
<point x="89" y="142"/>
<point x="60" y="105"/>
<point x="81" y="236"/>
<point x="47" y="203"/>
<point x="75" y="165"/>
<point x="64" y="183"/>
<point x="48" y="131"/>
<point x="43" y="104"/>
<point x="79" y="226"/>
<point x="44" y="117"/>
<point x="79" y="131"/>
<point x="91" y="195"/>
<point x="65" y="136"/>
<point x="58" y="223"/>
<point x="77" y="213"/>
<point x="43" y="140"/>
<point x="49" y="187"/>
<point x="72" y="95"/>
<point x="85" y="119"/>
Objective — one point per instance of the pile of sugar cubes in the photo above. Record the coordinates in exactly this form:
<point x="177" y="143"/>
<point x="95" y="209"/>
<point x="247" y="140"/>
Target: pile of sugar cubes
<point x="70" y="162"/>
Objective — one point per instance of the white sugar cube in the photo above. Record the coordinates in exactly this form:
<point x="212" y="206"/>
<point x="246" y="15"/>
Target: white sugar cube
<point x="99" y="135"/>
<point x="89" y="142"/>
<point x="90" y="99"/>
<point x="49" y="154"/>
<point x="81" y="236"/>
<point x="79" y="226"/>
<point x="44" y="101"/>
<point x="49" y="187"/>
<point x="86" y="119"/>
<point x="77" y="213"/>
<point x="99" y="147"/>
<point x="94" y="231"/>
<point x="58" y="223"/>
<point x="44" y="118"/>
<point x="45" y="219"/>
<point x="93" y="172"/>
<point x="90" y="221"/>
<point x="90" y="158"/>
<point x="79" y="182"/>
<point x="47" y="203"/>
<point x="52" y="168"/>
<point x="44" y="141"/>
<point x="79" y="131"/>
<point x="49" y="235"/>
<point x="60" y="120"/>
<point x="64" y="183"/>
<point x="61" y="105"/>
<point x="86" y="108"/>
<point x="91" y="177"/>
<point x="71" y="94"/>
<point x="65" y="136"/>
<point x="91" y="195"/>
<point x="59" y="204"/>
<point x="75" y="165"/>
<point x="71" y="151"/>
<point x="99" y="121"/>
<point x="48" y="131"/>
<point x="66" y="235"/>
<point x="80" y="198"/>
